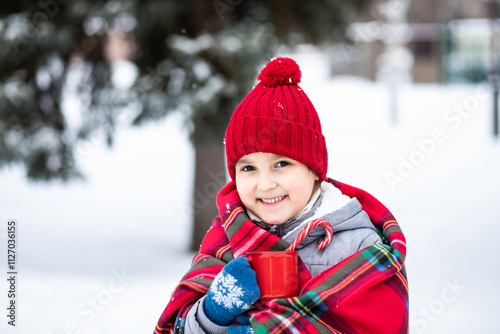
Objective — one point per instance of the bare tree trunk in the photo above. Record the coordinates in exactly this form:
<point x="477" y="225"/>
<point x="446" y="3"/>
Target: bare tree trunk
<point x="210" y="177"/>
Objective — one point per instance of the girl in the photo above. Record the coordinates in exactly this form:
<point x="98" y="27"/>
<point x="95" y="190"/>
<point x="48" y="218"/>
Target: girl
<point x="277" y="160"/>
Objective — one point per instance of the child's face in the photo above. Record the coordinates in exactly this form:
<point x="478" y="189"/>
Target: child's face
<point x="273" y="187"/>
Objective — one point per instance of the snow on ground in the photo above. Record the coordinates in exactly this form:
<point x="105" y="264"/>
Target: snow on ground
<point x="102" y="256"/>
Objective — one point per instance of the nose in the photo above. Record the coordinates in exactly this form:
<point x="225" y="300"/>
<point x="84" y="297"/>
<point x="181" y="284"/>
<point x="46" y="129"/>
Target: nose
<point x="266" y="182"/>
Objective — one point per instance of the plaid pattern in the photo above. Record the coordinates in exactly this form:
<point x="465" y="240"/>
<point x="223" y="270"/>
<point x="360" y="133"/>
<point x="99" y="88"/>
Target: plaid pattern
<point x="365" y="293"/>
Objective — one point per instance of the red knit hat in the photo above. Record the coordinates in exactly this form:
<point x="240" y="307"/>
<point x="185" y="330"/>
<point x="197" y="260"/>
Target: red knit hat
<point x="277" y="117"/>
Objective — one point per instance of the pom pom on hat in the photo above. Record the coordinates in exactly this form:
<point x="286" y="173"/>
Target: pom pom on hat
<point x="277" y="117"/>
<point x="280" y="71"/>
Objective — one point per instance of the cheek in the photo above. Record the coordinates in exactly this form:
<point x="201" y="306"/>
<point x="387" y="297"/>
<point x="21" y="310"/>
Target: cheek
<point x="244" y="190"/>
<point x="301" y="187"/>
<point x="295" y="186"/>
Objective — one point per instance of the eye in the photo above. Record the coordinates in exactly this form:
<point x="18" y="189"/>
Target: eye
<point x="247" y="168"/>
<point x="282" y="164"/>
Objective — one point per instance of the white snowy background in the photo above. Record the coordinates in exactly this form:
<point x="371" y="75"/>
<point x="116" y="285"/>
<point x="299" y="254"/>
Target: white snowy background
<point x="102" y="256"/>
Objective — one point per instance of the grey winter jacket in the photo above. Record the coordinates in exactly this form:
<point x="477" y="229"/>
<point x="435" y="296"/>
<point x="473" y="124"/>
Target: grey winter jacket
<point x="352" y="231"/>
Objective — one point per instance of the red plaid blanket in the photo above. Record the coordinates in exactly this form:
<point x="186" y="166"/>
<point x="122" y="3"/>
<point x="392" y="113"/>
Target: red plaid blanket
<point x="365" y="293"/>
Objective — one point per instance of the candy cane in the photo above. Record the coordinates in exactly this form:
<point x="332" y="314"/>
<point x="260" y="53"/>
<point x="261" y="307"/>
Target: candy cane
<point x="308" y="229"/>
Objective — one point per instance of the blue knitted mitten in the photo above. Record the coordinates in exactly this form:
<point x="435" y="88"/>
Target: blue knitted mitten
<point x="232" y="292"/>
<point x="244" y="327"/>
<point x="240" y="330"/>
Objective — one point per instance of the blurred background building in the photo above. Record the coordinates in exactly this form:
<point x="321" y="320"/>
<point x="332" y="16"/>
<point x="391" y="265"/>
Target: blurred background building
<point x="450" y="41"/>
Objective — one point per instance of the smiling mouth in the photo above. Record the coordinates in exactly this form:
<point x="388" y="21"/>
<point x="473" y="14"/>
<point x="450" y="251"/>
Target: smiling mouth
<point x="272" y="200"/>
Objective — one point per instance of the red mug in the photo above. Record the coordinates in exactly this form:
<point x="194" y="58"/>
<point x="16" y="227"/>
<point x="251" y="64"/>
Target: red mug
<point x="277" y="273"/>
